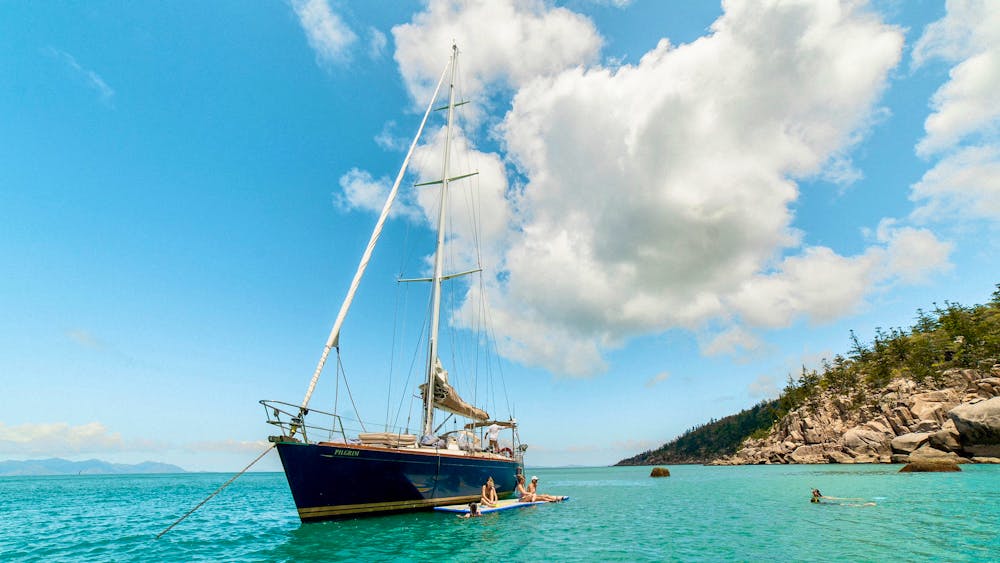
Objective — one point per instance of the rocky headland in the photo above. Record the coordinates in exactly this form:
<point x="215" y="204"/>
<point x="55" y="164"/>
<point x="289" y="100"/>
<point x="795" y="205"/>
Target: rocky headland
<point x="929" y="393"/>
<point x="953" y="417"/>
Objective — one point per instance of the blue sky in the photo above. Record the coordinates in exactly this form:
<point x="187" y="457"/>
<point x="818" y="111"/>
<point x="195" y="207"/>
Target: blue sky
<point x="685" y="203"/>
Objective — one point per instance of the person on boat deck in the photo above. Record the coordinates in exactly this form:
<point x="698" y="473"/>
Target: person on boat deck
<point x="493" y="435"/>
<point x="522" y="493"/>
<point x="489" y="495"/>
<point x="533" y="489"/>
<point x="473" y="511"/>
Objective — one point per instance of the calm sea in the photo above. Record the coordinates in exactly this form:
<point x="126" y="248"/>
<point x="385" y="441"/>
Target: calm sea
<point x="753" y="513"/>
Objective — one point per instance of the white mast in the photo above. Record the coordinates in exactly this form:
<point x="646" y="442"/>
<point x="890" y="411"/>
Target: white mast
<point x="432" y="351"/>
<point x="334" y="339"/>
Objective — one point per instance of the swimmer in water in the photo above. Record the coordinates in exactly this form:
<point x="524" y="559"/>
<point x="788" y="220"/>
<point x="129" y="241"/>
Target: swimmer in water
<point x="816" y="495"/>
<point x="473" y="511"/>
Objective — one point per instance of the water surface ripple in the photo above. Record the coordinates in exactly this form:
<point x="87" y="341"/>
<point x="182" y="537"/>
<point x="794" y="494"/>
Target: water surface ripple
<point x="616" y="514"/>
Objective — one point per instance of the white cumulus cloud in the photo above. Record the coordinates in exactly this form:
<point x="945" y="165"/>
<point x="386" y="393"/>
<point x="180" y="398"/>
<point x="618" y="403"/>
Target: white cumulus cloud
<point x="822" y="285"/>
<point x="913" y="254"/>
<point x="659" y="195"/>
<point x="962" y="129"/>
<point x="966" y="183"/>
<point x="969" y="36"/>
<point x="479" y="216"/>
<point x="733" y="340"/>
<point x="58" y="439"/>
<point x="819" y="284"/>
<point x="359" y="190"/>
<point x="328" y="35"/>
<point x="503" y="41"/>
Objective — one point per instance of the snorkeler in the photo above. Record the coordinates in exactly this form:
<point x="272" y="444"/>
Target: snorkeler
<point x="820" y="497"/>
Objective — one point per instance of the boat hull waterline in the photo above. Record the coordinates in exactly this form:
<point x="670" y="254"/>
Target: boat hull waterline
<point x="340" y="481"/>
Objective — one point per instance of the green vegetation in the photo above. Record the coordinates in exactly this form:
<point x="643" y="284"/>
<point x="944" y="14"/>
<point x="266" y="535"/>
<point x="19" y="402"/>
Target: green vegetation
<point x="952" y="336"/>
<point x="708" y="441"/>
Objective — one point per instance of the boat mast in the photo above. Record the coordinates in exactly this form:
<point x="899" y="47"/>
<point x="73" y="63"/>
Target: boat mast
<point x="432" y="348"/>
<point x="334" y="340"/>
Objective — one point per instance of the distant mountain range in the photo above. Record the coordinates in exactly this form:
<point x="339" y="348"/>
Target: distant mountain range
<point x="58" y="466"/>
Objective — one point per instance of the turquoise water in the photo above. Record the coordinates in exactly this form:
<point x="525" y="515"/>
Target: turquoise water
<point x="699" y="513"/>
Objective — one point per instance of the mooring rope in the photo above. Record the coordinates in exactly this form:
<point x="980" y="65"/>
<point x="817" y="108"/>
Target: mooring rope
<point x="217" y="491"/>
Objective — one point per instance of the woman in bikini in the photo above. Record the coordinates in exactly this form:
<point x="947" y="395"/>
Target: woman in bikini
<point x="522" y="493"/>
<point x="489" y="494"/>
<point x="533" y="489"/>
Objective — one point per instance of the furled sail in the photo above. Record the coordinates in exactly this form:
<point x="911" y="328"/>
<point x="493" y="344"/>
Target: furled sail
<point x="447" y="399"/>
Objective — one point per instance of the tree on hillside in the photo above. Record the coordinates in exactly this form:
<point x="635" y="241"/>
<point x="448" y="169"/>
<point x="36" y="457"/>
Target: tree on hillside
<point x="949" y="336"/>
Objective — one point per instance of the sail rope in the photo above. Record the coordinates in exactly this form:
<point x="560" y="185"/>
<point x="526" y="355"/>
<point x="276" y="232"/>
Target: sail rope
<point x="409" y="374"/>
<point x="484" y="320"/>
<point x="334" y="338"/>
<point x="392" y="357"/>
<point x="493" y="339"/>
<point x="485" y="315"/>
<point x="468" y="369"/>
<point x="340" y="370"/>
<point x="400" y="314"/>
<point x="217" y="491"/>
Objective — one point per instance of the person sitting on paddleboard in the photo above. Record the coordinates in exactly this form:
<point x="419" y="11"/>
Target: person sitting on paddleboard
<point x="489" y="495"/>
<point x="533" y="489"/>
<point x="523" y="495"/>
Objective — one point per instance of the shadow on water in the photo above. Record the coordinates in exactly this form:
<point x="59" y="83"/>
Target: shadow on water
<point x="419" y="536"/>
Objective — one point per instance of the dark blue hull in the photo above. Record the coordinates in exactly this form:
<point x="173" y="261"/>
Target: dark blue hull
<point x="344" y="481"/>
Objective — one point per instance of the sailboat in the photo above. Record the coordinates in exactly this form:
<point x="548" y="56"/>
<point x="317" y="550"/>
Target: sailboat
<point x="333" y="475"/>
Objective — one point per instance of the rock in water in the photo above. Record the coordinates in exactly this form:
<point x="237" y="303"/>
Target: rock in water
<point x="929" y="466"/>
<point x="659" y="472"/>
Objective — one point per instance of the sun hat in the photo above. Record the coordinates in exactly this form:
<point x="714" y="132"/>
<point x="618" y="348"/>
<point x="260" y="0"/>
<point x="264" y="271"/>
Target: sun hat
<point x="533" y="478"/>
